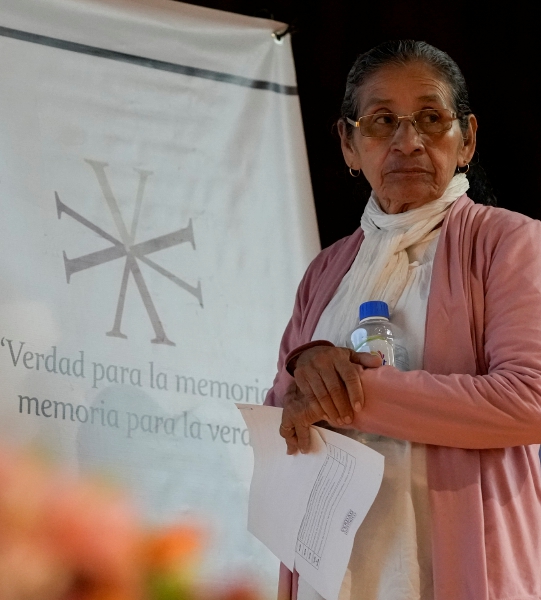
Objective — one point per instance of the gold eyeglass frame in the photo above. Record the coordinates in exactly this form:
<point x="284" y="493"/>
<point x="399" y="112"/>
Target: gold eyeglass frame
<point x="399" y="118"/>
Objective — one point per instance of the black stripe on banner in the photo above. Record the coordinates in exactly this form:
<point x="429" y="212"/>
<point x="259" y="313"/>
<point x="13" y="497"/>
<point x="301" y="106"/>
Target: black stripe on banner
<point x="161" y="65"/>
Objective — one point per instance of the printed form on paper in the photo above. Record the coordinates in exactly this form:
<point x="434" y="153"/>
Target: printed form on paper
<point x="306" y="508"/>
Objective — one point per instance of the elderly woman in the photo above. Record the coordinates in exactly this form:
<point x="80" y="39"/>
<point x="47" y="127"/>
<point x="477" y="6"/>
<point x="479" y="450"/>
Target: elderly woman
<point x="458" y="515"/>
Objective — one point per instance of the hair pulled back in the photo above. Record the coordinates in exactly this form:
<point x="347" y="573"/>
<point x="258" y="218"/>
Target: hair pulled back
<point x="401" y="52"/>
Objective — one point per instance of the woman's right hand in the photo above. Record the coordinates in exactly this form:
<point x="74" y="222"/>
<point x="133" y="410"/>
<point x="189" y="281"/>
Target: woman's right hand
<point x="330" y="376"/>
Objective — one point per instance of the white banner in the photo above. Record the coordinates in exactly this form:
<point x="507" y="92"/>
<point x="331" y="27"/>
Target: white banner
<point x="156" y="217"/>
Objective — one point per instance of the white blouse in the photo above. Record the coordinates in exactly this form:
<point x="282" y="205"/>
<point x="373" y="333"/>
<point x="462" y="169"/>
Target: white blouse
<point x="391" y="557"/>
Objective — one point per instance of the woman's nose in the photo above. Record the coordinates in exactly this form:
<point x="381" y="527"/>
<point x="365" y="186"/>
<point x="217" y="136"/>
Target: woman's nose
<point x="406" y="139"/>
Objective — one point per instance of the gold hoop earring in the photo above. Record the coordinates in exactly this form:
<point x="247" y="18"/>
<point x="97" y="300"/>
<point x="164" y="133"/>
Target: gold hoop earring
<point x="463" y="172"/>
<point x="351" y="172"/>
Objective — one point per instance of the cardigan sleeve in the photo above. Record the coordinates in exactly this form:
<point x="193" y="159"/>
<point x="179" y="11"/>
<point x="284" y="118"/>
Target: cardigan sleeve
<point x="500" y="408"/>
<point x="290" y="341"/>
<point x="292" y="337"/>
<point x="319" y="282"/>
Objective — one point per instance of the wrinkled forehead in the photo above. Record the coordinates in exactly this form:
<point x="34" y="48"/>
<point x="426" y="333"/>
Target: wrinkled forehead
<point x="412" y="82"/>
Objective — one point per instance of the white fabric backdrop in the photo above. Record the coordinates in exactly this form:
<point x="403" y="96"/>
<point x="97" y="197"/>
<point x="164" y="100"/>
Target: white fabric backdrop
<point x="156" y="217"/>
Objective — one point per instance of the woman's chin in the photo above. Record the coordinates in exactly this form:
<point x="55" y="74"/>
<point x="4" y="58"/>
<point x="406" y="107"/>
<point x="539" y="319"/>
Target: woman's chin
<point x="407" y="195"/>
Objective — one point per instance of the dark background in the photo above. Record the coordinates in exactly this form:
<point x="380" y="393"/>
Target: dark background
<point x="494" y="45"/>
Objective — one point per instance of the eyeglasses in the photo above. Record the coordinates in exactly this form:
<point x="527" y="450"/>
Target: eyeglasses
<point x="428" y="120"/>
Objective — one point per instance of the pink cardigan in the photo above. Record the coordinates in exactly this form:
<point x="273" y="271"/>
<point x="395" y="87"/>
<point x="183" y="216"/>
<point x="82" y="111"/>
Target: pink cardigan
<point x="477" y="403"/>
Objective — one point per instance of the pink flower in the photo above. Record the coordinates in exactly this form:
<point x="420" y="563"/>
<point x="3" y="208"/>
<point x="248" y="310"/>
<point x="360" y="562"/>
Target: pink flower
<point x="62" y="539"/>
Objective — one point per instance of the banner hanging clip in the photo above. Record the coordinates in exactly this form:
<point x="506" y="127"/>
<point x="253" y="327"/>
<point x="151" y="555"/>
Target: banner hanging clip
<point x="280" y="34"/>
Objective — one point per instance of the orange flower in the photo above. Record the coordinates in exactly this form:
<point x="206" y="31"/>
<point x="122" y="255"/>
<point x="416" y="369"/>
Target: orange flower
<point x="176" y="548"/>
<point x="173" y="555"/>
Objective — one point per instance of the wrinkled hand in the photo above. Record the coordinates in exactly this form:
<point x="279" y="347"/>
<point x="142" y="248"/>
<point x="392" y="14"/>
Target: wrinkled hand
<point x="297" y="416"/>
<point x="331" y="378"/>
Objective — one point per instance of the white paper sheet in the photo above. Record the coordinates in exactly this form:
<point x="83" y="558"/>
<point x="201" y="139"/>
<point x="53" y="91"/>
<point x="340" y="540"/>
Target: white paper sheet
<point x="306" y="508"/>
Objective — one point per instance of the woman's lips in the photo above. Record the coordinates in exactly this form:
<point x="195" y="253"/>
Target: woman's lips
<point x="411" y="170"/>
<point x="408" y="172"/>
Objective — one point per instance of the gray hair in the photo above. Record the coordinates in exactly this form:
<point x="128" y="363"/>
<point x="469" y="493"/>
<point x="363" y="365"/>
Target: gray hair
<point x="401" y="52"/>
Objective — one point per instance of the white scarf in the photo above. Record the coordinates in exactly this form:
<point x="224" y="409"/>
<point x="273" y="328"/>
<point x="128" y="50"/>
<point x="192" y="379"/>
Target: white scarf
<point x="381" y="269"/>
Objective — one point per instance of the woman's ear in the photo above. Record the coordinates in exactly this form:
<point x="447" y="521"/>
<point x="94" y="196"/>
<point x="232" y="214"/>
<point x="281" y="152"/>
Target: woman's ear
<point x="348" y="148"/>
<point x="468" y="148"/>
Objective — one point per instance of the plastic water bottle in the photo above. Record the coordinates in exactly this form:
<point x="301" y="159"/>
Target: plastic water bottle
<point x="374" y="334"/>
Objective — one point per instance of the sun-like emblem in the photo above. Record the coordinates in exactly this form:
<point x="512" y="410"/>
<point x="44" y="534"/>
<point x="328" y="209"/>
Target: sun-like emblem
<point x="126" y="248"/>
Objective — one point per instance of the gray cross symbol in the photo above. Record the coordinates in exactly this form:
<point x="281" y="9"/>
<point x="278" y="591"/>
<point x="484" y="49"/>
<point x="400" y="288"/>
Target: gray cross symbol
<point x="125" y="247"/>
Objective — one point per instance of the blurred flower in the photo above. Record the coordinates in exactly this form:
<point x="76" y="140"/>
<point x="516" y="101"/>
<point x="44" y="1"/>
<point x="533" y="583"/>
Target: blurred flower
<point x="63" y="539"/>
<point x="66" y="539"/>
<point x="173" y="556"/>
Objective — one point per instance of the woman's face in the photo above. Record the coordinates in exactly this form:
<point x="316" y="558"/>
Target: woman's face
<point x="407" y="169"/>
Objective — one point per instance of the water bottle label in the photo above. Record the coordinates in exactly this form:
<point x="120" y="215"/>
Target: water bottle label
<point x="401" y="358"/>
<point x="378" y="346"/>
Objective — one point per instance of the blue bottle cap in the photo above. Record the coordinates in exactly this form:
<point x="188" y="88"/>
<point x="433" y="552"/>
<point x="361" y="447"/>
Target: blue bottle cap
<point x="374" y="308"/>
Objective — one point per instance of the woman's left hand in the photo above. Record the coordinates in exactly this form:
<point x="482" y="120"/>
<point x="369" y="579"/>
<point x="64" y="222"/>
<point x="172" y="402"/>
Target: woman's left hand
<point x="297" y="416"/>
